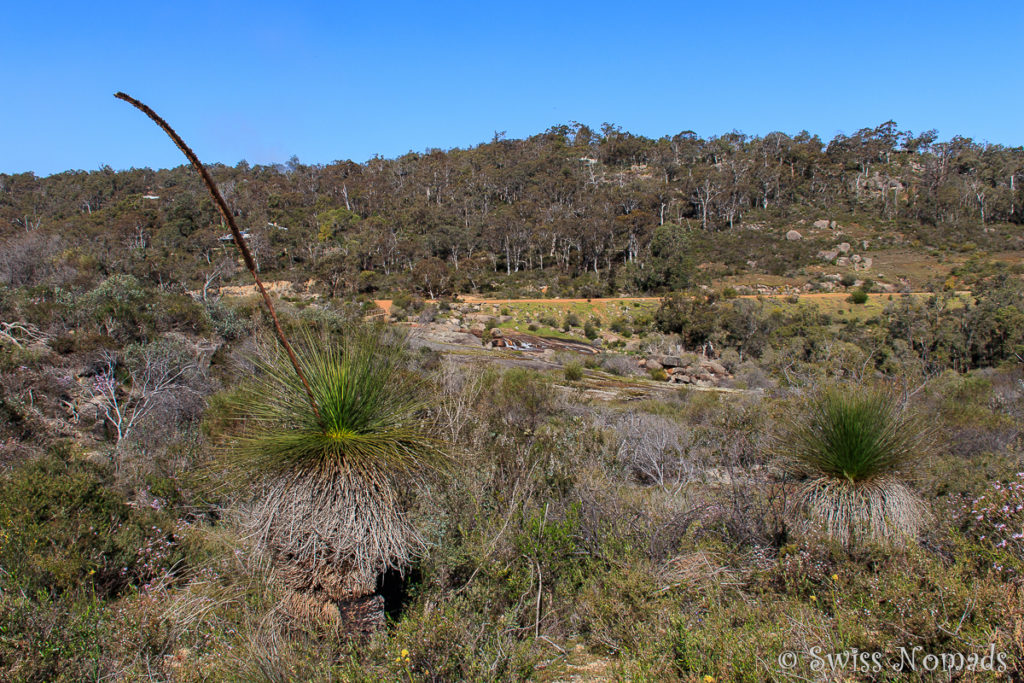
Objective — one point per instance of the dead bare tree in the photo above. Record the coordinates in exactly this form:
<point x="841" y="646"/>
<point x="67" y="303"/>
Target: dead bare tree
<point x="460" y="390"/>
<point x="655" y="449"/>
<point x="152" y="374"/>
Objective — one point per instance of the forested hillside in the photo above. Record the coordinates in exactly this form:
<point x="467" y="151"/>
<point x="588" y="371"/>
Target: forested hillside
<point x="574" y="210"/>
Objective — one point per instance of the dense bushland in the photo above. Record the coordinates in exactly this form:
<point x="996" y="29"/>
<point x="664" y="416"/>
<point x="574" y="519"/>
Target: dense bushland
<point x="653" y="539"/>
<point x="592" y="518"/>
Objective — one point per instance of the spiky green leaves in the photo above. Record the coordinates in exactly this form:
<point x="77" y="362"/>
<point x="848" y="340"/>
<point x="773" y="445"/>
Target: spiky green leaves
<point x="854" y="434"/>
<point x="369" y="404"/>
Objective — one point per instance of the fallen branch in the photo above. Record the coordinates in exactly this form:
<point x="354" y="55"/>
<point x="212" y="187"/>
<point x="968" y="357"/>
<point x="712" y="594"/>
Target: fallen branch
<point x="20" y="334"/>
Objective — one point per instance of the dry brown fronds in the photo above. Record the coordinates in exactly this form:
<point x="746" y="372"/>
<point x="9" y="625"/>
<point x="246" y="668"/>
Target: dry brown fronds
<point x="353" y="517"/>
<point x="883" y="509"/>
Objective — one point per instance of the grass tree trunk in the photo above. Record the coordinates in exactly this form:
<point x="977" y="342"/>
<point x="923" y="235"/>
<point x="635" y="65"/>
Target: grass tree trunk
<point x="334" y="595"/>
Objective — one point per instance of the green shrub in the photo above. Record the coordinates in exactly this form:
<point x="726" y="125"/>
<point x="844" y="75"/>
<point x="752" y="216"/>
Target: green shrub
<point x="54" y="639"/>
<point x="181" y="312"/>
<point x="119" y="305"/>
<point x="68" y="528"/>
<point x="590" y="330"/>
<point x="622" y="326"/>
<point x="226" y="320"/>
<point x="402" y="300"/>
<point x="573" y="372"/>
<point x="858" y="296"/>
<point x="524" y="398"/>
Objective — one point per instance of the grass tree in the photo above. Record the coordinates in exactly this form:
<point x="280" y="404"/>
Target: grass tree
<point x="331" y="434"/>
<point x="853" y="447"/>
<point x="328" y="483"/>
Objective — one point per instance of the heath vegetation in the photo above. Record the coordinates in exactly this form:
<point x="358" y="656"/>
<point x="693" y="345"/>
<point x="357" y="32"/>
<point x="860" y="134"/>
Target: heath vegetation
<point x="676" y="487"/>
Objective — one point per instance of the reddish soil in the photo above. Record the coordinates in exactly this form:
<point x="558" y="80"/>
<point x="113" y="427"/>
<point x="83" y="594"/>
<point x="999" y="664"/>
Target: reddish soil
<point x="386" y="303"/>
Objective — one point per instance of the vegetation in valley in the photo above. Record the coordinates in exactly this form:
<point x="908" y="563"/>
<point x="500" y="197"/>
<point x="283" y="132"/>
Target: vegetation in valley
<point x="679" y="487"/>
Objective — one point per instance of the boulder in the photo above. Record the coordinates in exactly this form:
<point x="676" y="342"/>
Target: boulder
<point x="844" y="247"/>
<point x="669" y="361"/>
<point x="822" y="224"/>
<point x="842" y="262"/>
<point x="793" y="236"/>
<point x="828" y="254"/>
<point x="855" y="258"/>
<point x="652" y="364"/>
<point x="715" y="367"/>
<point x="454" y="337"/>
<point x="866" y="262"/>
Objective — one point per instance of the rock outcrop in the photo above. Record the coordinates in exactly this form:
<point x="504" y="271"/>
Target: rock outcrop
<point x="702" y="372"/>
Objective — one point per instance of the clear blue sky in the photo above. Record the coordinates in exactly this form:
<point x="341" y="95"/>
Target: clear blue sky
<point x="262" y="81"/>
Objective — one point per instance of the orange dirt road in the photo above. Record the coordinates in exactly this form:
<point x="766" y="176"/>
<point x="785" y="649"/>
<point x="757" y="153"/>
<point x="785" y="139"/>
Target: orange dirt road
<point x="386" y="303"/>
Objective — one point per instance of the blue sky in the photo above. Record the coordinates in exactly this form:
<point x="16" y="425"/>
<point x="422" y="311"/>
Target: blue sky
<point x="264" y="81"/>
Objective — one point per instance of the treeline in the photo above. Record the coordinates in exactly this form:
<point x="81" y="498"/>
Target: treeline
<point x="622" y="211"/>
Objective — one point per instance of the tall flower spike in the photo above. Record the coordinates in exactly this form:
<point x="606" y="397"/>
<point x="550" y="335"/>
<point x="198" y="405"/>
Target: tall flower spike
<point x="222" y="206"/>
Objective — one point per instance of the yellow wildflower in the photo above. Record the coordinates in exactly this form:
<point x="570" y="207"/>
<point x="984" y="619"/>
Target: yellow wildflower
<point x="814" y="598"/>
<point x="835" y="577"/>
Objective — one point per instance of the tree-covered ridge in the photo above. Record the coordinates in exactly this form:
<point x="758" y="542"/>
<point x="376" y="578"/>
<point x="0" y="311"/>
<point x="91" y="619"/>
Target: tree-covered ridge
<point x="566" y="202"/>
